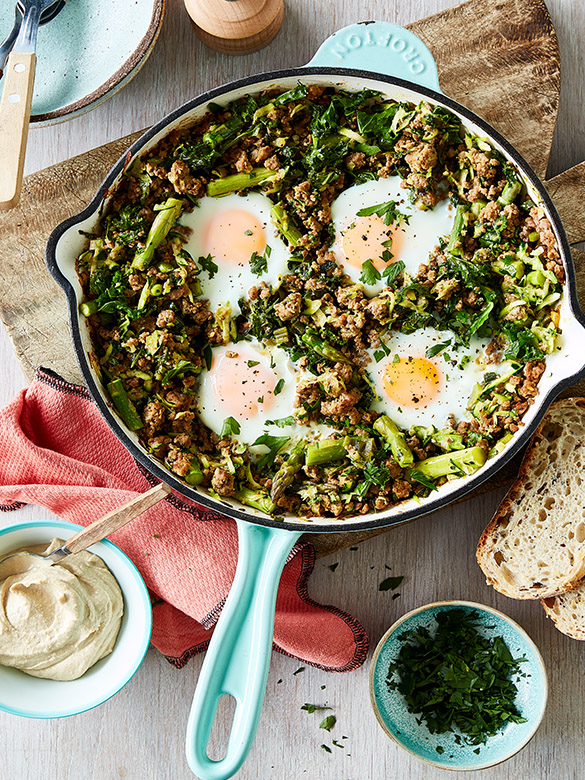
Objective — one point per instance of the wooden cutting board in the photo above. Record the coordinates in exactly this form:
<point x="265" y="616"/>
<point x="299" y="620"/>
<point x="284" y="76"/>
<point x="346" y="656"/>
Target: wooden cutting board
<point x="505" y="67"/>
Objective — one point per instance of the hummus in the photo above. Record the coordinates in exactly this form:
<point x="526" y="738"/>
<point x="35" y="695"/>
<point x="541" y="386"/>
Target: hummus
<point x="57" y="621"/>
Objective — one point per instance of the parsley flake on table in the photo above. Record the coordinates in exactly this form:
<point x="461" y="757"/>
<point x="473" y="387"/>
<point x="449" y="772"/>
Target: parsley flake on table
<point x="390" y="583"/>
<point x="457" y="679"/>
<point x="328" y="722"/>
<point x="311" y="708"/>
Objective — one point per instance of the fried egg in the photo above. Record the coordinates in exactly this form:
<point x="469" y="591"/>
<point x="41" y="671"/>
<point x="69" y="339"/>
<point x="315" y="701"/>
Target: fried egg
<point x="234" y="229"/>
<point x="366" y="237"/>
<point x="416" y="385"/>
<point x="255" y="385"/>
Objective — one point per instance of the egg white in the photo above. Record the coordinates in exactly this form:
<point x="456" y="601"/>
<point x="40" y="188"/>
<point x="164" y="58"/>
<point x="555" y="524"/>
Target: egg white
<point x="272" y="360"/>
<point x="419" y="236"/>
<point x="459" y="371"/>
<point x="232" y="281"/>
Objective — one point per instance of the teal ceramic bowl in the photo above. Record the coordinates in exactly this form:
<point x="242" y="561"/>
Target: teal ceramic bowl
<point x="401" y="725"/>
<point x="87" y="53"/>
<point x="32" y="697"/>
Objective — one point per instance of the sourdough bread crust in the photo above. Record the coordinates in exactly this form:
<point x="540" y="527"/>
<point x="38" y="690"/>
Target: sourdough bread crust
<point x="567" y="611"/>
<point x="546" y="500"/>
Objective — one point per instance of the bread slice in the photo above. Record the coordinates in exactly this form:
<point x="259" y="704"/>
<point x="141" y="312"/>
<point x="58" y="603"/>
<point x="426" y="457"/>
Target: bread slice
<point x="568" y="611"/>
<point x="534" y="547"/>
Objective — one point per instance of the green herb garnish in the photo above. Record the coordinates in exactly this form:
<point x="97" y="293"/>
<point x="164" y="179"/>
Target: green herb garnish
<point x="390" y="583"/>
<point x="456" y="678"/>
<point x="328" y="722"/>
<point x="387" y="211"/>
<point x="370" y="274"/>
<point x="208" y="265"/>
<point x="229" y="427"/>
<point x="311" y="708"/>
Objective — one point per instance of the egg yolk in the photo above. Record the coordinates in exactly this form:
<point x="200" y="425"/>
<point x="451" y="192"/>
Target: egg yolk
<point x="241" y="384"/>
<point x="367" y="238"/>
<point x="233" y="235"/>
<point x="412" y="381"/>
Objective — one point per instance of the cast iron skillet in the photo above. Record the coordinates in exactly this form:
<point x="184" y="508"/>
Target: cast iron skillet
<point x="394" y="61"/>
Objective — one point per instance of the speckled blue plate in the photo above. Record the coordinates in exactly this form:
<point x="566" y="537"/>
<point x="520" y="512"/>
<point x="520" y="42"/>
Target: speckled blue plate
<point x="88" y="52"/>
<point x="394" y="717"/>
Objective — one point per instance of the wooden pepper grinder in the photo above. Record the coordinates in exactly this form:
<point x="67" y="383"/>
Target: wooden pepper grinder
<point x="236" y="26"/>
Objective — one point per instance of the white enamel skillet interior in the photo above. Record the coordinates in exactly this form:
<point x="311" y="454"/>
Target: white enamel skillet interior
<point x="374" y="56"/>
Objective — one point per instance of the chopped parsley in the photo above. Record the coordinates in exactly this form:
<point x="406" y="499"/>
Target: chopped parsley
<point x="370" y="274"/>
<point x="455" y="678"/>
<point x="390" y="583"/>
<point x="328" y="722"/>
<point x="311" y="708"/>
<point x="279" y="386"/>
<point x="274" y="444"/>
<point x="259" y="263"/>
<point x="208" y="265"/>
<point x="387" y="211"/>
<point x="230" y="426"/>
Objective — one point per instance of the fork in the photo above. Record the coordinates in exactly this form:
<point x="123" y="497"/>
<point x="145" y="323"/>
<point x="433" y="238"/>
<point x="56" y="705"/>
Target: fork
<point x="16" y="101"/>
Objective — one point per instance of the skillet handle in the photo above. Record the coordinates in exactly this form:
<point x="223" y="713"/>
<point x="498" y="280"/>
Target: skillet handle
<point x="238" y="656"/>
<point x="380" y="47"/>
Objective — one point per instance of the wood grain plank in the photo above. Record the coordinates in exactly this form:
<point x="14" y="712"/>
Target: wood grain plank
<point x="567" y="190"/>
<point x="505" y="67"/>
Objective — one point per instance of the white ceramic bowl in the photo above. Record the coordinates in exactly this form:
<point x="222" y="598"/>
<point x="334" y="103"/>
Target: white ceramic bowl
<point x="33" y="697"/>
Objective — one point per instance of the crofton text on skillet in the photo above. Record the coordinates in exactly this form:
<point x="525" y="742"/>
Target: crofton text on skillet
<point x="392" y="60"/>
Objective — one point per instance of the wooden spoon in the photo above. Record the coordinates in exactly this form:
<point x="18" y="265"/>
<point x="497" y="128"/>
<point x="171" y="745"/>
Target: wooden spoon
<point x="103" y="527"/>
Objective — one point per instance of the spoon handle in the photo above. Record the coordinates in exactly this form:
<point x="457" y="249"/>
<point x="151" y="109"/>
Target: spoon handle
<point x="115" y="519"/>
<point x="14" y="121"/>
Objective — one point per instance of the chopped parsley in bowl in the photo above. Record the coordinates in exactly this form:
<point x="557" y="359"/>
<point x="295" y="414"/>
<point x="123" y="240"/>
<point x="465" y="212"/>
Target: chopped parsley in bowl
<point x="322" y="302"/>
<point x="459" y="685"/>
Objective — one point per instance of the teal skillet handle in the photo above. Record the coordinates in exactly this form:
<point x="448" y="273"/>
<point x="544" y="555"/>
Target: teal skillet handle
<point x="238" y="655"/>
<point x="380" y="47"/>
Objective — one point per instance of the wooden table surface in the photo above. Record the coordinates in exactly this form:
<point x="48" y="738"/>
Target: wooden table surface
<point x="139" y="734"/>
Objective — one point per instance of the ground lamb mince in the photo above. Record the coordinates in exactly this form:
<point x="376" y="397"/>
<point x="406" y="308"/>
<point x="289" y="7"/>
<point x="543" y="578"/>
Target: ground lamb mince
<point x="498" y="275"/>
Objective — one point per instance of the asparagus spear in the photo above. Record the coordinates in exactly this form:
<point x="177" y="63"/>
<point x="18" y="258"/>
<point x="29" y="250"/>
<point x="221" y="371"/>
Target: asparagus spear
<point x="509" y="192"/>
<point x="456" y="231"/>
<point x="257" y="499"/>
<point x="88" y="307"/>
<point x="286" y="473"/>
<point x="388" y="429"/>
<point x="467" y="461"/>
<point x="194" y="476"/>
<point x="124" y="405"/>
<point x="239" y="181"/>
<point x="325" y="451"/>
<point x="323" y="348"/>
<point x="168" y="212"/>
<point x="284" y="223"/>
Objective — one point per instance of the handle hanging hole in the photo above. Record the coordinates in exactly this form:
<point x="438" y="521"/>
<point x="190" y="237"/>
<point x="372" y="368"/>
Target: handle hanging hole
<point x="19" y="67"/>
<point x="14" y="98"/>
<point x="221" y="728"/>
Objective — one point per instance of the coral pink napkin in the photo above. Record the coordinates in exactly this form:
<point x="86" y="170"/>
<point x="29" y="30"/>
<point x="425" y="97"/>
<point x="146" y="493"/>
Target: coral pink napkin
<point x="57" y="451"/>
